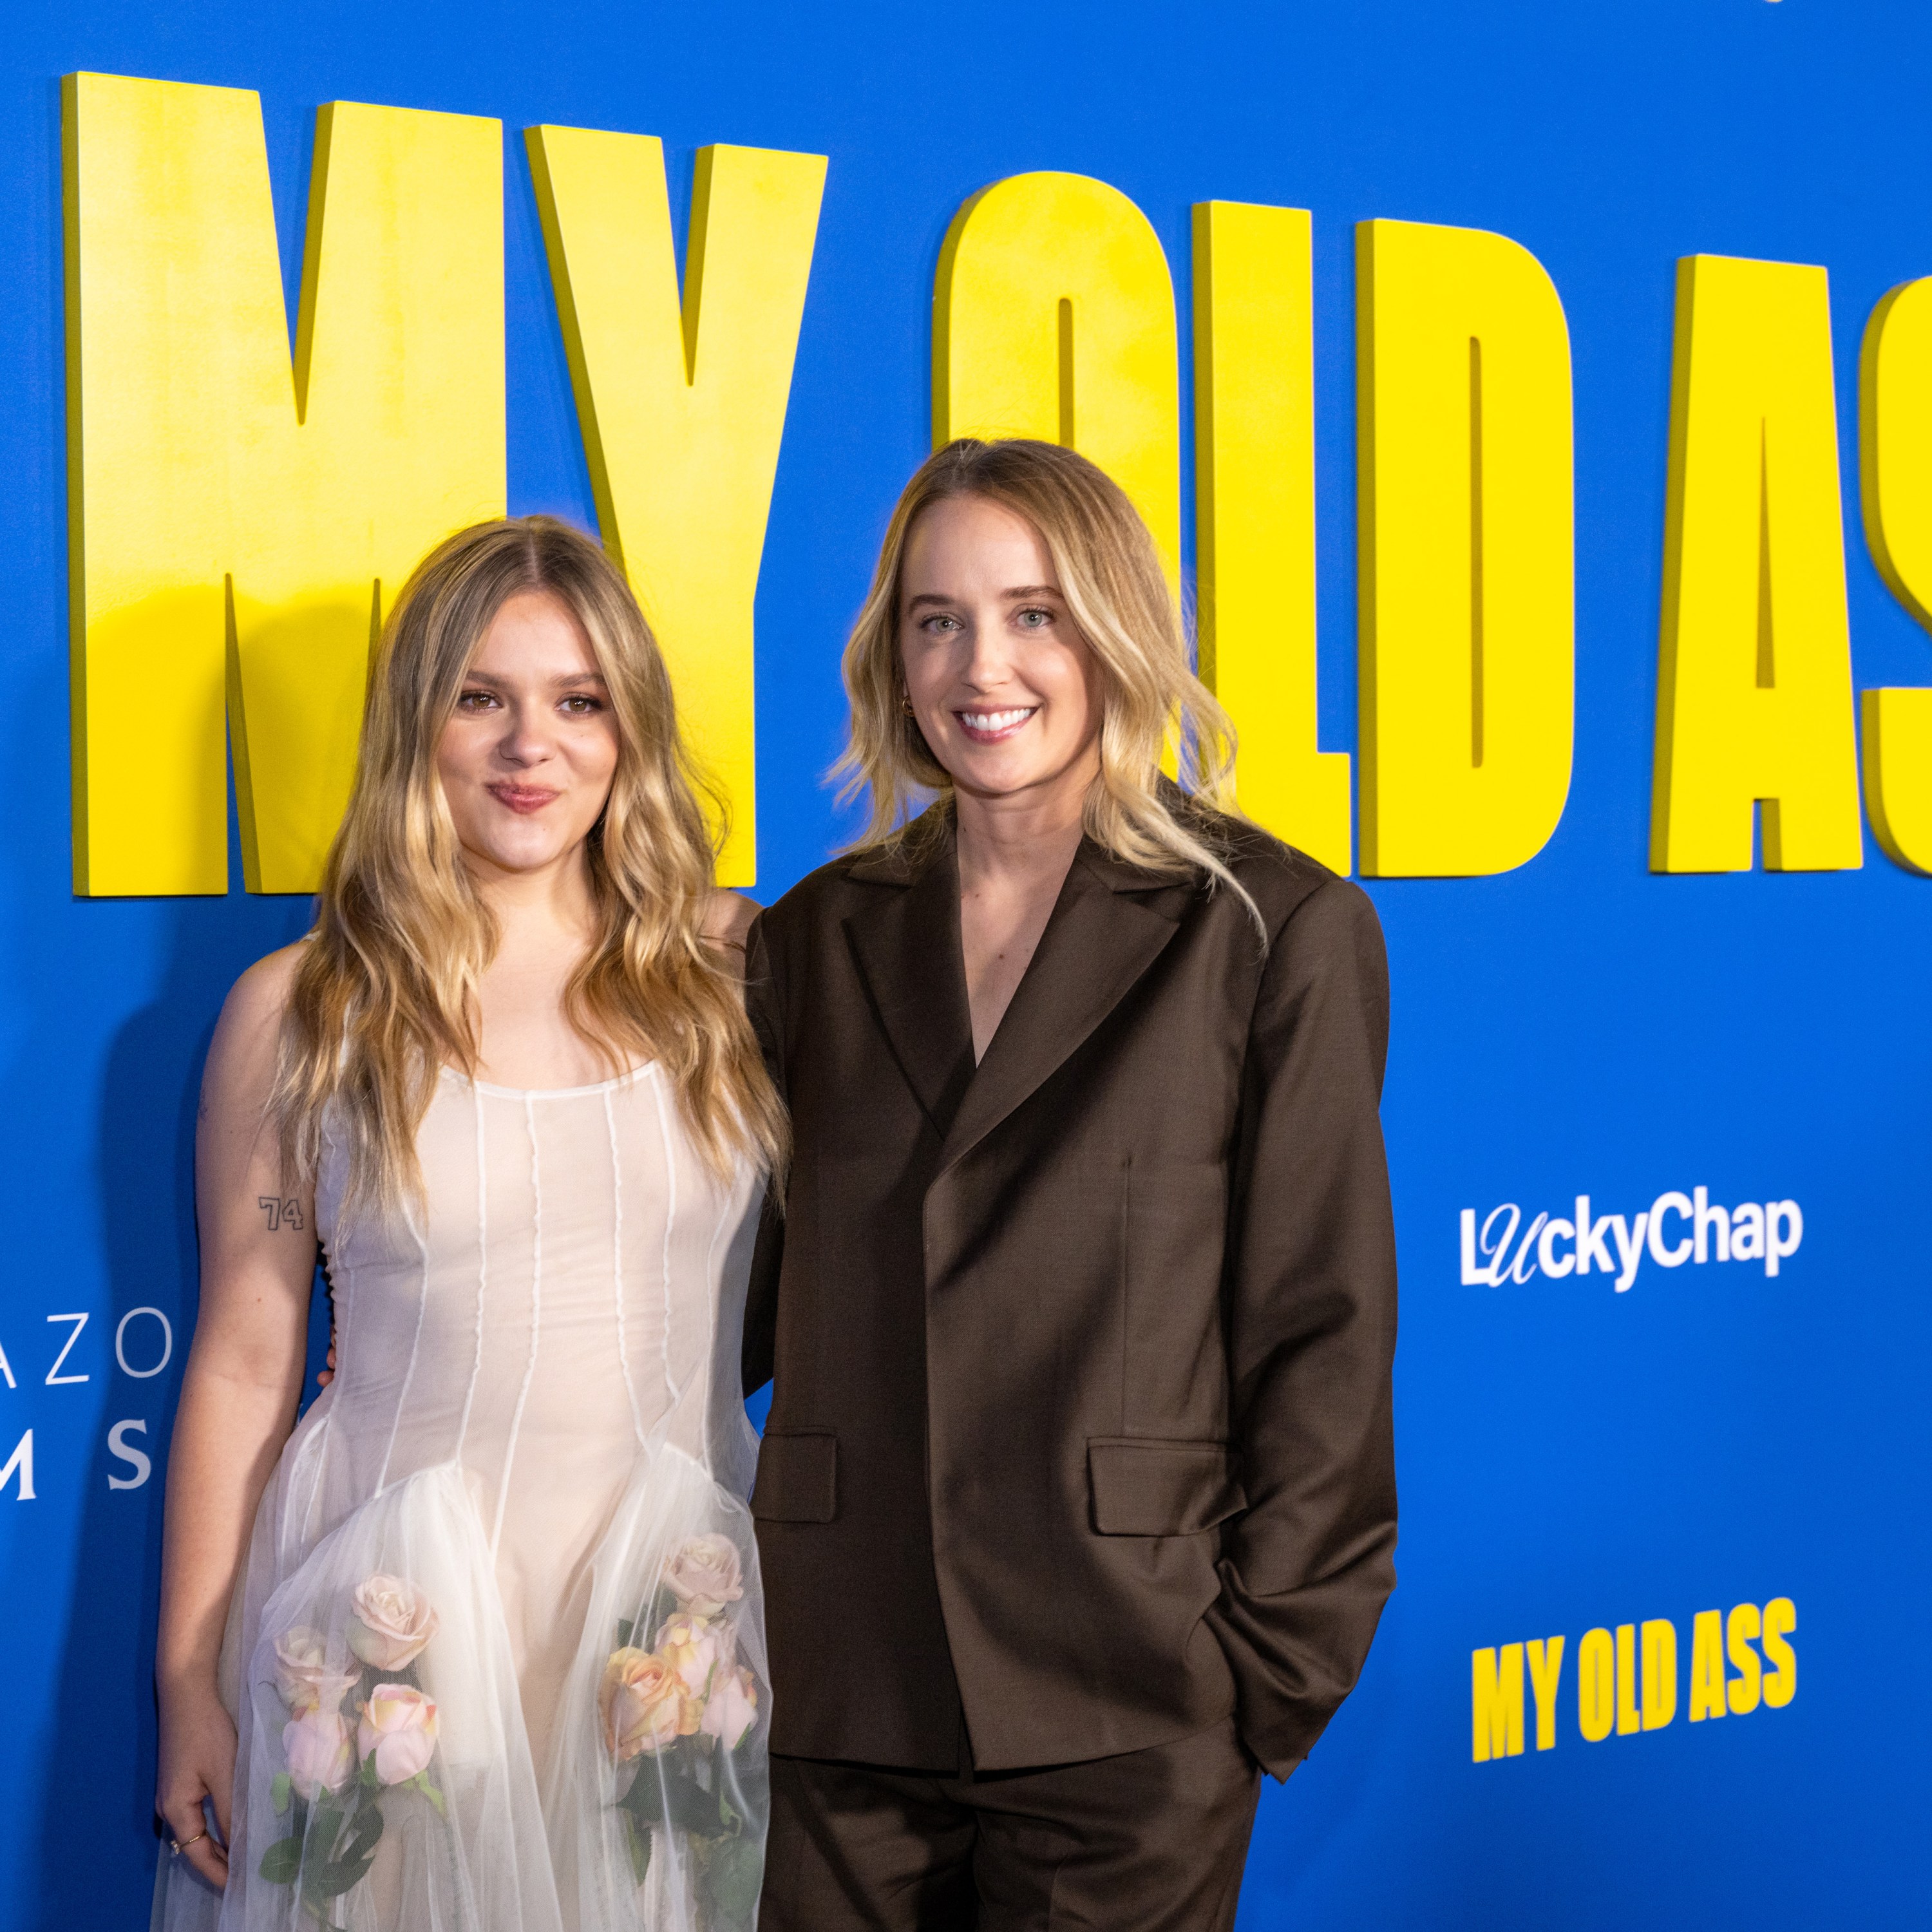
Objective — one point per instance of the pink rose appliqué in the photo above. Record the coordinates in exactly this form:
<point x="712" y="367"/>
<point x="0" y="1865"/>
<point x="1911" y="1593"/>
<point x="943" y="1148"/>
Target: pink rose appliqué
<point x="307" y="1677"/>
<point x="705" y="1574"/>
<point x="732" y="1708"/>
<point x="696" y="1648"/>
<point x="399" y="1726"/>
<point x="393" y="1622"/>
<point x="644" y="1704"/>
<point x="321" y="1752"/>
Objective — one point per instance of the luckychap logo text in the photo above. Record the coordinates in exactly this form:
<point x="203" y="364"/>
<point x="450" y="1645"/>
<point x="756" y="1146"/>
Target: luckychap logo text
<point x="1675" y="1229"/>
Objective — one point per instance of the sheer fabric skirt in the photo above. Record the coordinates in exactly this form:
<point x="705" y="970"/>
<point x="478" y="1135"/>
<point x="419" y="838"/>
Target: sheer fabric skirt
<point x="384" y="1781"/>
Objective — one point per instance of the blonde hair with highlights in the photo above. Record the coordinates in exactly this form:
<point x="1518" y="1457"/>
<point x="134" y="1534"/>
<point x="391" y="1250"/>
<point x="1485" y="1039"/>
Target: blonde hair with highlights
<point x="386" y="992"/>
<point x="1151" y="702"/>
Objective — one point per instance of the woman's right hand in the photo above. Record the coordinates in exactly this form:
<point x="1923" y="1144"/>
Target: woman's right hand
<point x="197" y="1762"/>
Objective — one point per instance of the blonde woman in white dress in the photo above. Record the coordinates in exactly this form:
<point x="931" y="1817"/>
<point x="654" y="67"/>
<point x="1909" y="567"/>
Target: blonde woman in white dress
<point x="476" y="1646"/>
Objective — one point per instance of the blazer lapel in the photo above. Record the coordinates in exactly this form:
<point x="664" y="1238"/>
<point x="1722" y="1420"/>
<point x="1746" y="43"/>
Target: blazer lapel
<point x="1110" y="924"/>
<point x="907" y="948"/>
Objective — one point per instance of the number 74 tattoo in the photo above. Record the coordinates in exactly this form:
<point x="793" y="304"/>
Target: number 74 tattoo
<point x="281" y="1212"/>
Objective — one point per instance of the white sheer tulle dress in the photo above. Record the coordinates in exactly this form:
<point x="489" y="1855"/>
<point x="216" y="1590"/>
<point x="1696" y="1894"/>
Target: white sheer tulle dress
<point x="496" y="1662"/>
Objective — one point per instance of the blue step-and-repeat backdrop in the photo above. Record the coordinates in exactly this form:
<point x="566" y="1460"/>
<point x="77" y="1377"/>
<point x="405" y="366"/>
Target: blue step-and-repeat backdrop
<point x="1657" y="1108"/>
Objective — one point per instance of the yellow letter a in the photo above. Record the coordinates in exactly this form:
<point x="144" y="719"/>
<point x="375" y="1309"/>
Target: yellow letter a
<point x="1468" y="616"/>
<point x="1754" y="673"/>
<point x="682" y="401"/>
<point x="1707" y="1666"/>
<point x="237" y="520"/>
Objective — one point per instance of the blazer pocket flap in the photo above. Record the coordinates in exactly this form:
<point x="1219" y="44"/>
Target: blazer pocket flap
<point x="798" y="1477"/>
<point x="1145" y="1487"/>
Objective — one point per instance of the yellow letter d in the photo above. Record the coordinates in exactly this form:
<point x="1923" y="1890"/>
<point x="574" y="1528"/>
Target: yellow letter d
<point x="1467" y="619"/>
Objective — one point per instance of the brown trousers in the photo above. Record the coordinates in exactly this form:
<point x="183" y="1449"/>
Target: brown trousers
<point x="1150" y="1841"/>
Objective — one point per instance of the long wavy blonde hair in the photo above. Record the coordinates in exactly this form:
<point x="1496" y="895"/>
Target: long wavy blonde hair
<point x="385" y="994"/>
<point x="1152" y="703"/>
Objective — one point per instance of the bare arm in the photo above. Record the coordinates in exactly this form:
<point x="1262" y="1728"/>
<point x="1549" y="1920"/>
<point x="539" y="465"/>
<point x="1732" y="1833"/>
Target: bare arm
<point x="238" y="1395"/>
<point x="729" y="922"/>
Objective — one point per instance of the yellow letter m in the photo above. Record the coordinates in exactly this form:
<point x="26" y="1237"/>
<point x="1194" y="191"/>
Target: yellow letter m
<point x="1496" y="1703"/>
<point x="240" y="515"/>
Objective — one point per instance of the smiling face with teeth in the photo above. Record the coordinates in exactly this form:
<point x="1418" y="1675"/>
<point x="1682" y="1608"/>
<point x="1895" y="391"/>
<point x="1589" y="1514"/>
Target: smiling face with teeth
<point x="1003" y="684"/>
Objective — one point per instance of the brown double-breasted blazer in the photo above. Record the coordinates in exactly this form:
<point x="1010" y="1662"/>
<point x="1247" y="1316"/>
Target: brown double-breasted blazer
<point x="1080" y="1434"/>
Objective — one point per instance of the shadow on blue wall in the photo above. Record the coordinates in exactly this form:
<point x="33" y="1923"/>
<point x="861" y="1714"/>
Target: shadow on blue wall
<point x="101" y="1751"/>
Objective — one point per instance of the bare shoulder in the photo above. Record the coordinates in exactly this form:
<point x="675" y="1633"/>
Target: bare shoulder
<point x="728" y="918"/>
<point x="261" y="996"/>
<point x="251" y="1018"/>
<point x="237" y="1153"/>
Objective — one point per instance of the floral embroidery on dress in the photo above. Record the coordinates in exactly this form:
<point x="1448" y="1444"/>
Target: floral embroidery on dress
<point x="339" y="1770"/>
<point x="672" y="1716"/>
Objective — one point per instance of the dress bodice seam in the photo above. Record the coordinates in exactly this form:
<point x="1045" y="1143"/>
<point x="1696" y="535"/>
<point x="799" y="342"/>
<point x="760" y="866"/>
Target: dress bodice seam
<point x="525" y="1093"/>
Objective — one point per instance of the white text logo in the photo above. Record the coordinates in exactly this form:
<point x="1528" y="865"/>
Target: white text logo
<point x="1675" y="1229"/>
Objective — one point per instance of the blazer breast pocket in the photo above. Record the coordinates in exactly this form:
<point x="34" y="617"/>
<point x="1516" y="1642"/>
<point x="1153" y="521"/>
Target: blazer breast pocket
<point x="1143" y="1486"/>
<point x="798" y="1477"/>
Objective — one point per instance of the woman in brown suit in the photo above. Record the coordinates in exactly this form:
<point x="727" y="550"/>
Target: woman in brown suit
<point x="1076" y="1505"/>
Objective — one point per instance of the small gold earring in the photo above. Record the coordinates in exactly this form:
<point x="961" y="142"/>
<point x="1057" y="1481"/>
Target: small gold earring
<point x="905" y="704"/>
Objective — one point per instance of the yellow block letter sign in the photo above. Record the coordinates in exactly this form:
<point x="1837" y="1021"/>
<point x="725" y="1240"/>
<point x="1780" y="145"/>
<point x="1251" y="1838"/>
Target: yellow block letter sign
<point x="238" y="520"/>
<point x="1053" y="317"/>
<point x="1754" y="669"/>
<point x="682" y="400"/>
<point x="1895" y="463"/>
<point x="1468" y="551"/>
<point x="1254" y="447"/>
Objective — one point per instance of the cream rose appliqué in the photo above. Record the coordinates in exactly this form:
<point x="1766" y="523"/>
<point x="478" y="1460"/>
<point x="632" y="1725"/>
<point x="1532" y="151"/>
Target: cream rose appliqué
<point x="672" y="1716"/>
<point x="342" y="1764"/>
